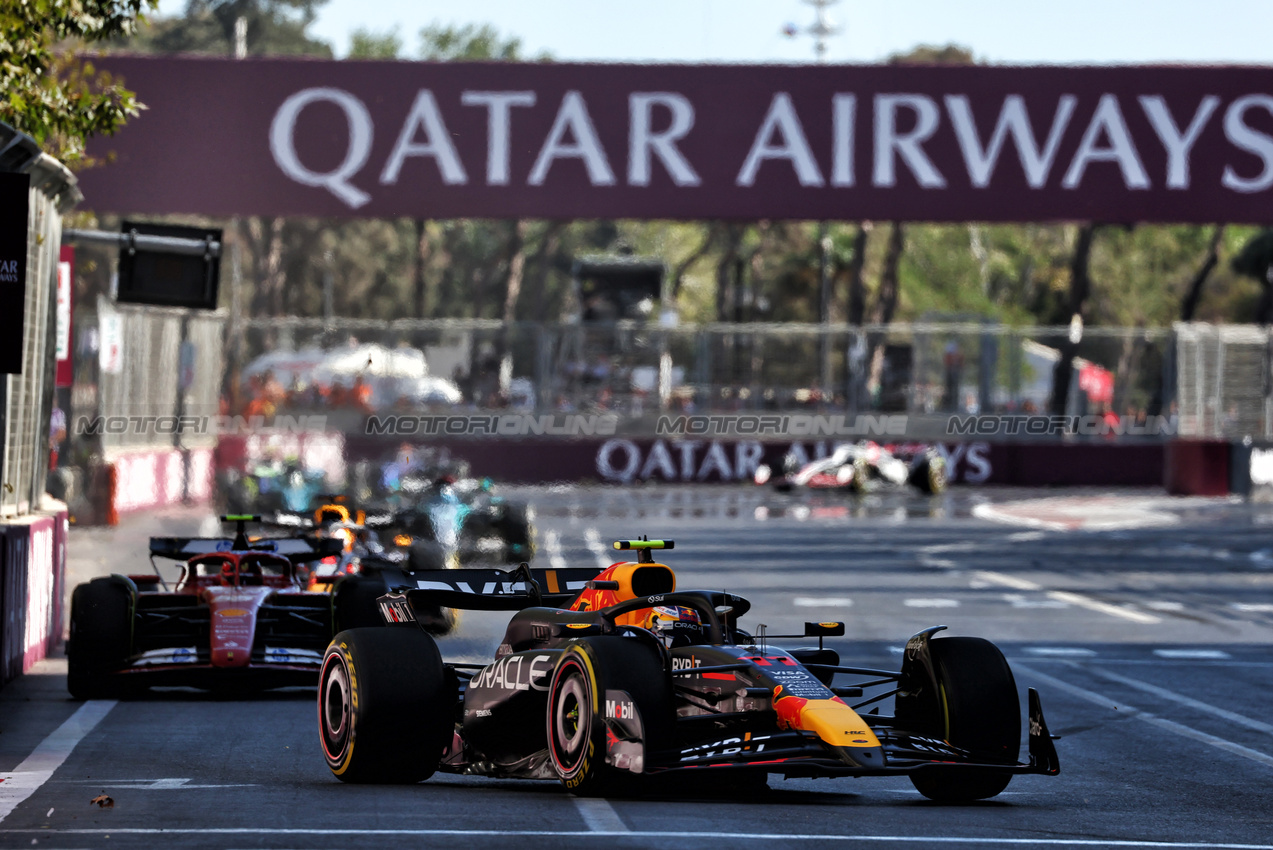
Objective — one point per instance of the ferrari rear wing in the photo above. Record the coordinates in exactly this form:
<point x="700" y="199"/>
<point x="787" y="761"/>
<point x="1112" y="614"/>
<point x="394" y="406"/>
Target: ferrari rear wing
<point x="298" y="550"/>
<point x="492" y="589"/>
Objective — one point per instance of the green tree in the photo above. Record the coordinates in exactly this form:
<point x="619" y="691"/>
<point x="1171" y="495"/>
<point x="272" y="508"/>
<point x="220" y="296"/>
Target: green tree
<point x="450" y="43"/>
<point x="274" y="28"/>
<point x="46" y="89"/>
<point x="368" y="44"/>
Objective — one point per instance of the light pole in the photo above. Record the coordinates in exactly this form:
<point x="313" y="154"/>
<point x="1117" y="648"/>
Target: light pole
<point x="821" y="29"/>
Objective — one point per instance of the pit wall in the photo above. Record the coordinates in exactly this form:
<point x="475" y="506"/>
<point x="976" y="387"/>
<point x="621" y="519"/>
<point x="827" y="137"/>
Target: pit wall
<point x="32" y="587"/>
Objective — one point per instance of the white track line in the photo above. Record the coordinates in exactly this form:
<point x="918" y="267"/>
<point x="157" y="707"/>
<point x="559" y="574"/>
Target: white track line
<point x="1232" y="717"/>
<point x="822" y="602"/>
<point x="593" y="539"/>
<point x="1131" y="711"/>
<point x="1104" y="607"/>
<point x="599" y="815"/>
<point x="47" y="757"/>
<point x="667" y="835"/>
<point x="552" y="547"/>
<point x="1069" y="598"/>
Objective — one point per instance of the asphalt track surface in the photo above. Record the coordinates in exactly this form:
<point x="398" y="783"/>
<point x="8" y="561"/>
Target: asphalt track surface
<point x="1145" y="623"/>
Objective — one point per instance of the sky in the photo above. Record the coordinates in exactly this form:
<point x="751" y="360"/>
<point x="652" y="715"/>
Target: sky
<point x="1001" y="31"/>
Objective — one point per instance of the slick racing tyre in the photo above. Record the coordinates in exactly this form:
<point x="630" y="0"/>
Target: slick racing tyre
<point x="861" y="480"/>
<point x="977" y="710"/>
<point x="577" y="734"/>
<point x="517" y="528"/>
<point x="385" y="705"/>
<point x="354" y="602"/>
<point x="928" y="475"/>
<point x="101" y="638"/>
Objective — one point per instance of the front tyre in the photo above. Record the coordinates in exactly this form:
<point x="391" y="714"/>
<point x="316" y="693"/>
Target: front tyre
<point x="577" y="731"/>
<point x="977" y="709"/>
<point x="385" y="705"/>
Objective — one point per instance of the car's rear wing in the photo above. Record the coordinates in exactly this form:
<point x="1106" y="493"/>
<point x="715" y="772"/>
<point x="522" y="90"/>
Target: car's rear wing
<point x="493" y="589"/>
<point x="298" y="550"/>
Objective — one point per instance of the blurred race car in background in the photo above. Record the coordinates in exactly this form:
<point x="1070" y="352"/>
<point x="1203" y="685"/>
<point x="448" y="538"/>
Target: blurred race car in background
<point x="269" y="487"/>
<point x="433" y="496"/>
<point x="608" y="677"/>
<point x="241" y="614"/>
<point x="859" y="467"/>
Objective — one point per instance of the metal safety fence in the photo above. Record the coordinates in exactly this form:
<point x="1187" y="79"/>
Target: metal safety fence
<point x="637" y="368"/>
<point x="138" y="371"/>
<point x="1224" y="380"/>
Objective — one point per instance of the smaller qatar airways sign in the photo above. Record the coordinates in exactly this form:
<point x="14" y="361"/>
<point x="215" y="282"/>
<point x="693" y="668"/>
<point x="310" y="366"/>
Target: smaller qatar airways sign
<point x="388" y="139"/>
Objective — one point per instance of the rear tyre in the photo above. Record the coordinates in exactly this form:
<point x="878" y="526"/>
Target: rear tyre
<point x="977" y="709"/>
<point x="928" y="475"/>
<point x="518" y="531"/>
<point x="354" y="603"/>
<point x="861" y="481"/>
<point x="577" y="739"/>
<point x="101" y="639"/>
<point x="385" y="706"/>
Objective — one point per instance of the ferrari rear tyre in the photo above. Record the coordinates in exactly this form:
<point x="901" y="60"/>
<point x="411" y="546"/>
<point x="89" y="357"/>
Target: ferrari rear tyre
<point x="385" y="706"/>
<point x="577" y="739"/>
<point x="101" y="638"/>
<point x="978" y="710"/>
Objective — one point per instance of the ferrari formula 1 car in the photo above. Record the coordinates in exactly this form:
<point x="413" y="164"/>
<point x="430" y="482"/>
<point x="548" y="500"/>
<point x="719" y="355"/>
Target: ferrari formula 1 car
<point x="240" y="614"/>
<point x="607" y="681"/>
<point x="859" y="467"/>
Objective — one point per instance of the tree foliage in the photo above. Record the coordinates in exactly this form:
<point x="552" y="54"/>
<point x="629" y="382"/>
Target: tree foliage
<point x="274" y="27"/>
<point x="49" y="92"/>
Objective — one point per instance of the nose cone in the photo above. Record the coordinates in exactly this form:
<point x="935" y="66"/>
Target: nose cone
<point x="837" y="724"/>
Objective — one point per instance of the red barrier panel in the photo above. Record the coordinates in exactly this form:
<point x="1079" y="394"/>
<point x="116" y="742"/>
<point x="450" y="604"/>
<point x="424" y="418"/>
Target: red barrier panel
<point x="32" y="583"/>
<point x="1197" y="468"/>
<point x="147" y="479"/>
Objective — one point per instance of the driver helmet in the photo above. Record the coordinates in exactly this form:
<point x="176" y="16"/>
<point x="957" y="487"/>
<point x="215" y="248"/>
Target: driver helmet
<point x="674" y="625"/>
<point x="227" y="572"/>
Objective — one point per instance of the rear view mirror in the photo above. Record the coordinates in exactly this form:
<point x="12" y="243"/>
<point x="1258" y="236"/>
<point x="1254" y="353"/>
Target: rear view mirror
<point x="824" y="629"/>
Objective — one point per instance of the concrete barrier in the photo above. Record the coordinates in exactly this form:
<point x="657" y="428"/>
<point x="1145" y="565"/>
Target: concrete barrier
<point x="32" y="587"/>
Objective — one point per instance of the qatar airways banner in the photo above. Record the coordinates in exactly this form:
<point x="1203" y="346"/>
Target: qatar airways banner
<point x="922" y="143"/>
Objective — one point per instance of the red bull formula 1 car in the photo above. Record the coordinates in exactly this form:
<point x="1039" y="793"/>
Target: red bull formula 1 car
<point x="607" y="681"/>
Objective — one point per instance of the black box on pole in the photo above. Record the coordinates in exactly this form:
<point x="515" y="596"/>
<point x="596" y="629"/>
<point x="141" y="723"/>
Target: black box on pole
<point x="169" y="279"/>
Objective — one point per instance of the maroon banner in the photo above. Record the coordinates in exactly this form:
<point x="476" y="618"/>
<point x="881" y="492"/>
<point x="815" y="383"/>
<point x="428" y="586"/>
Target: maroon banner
<point x="631" y="461"/>
<point x="499" y="140"/>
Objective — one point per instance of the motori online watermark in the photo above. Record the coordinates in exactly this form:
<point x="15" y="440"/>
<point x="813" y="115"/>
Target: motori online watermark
<point x="93" y="426"/>
<point x="496" y="424"/>
<point x="1094" y="425"/>
<point x="782" y="425"/>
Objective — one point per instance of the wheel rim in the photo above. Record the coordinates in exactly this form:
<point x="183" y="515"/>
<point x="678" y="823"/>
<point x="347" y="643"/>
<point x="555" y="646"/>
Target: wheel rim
<point x="334" y="706"/>
<point x="571" y="719"/>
